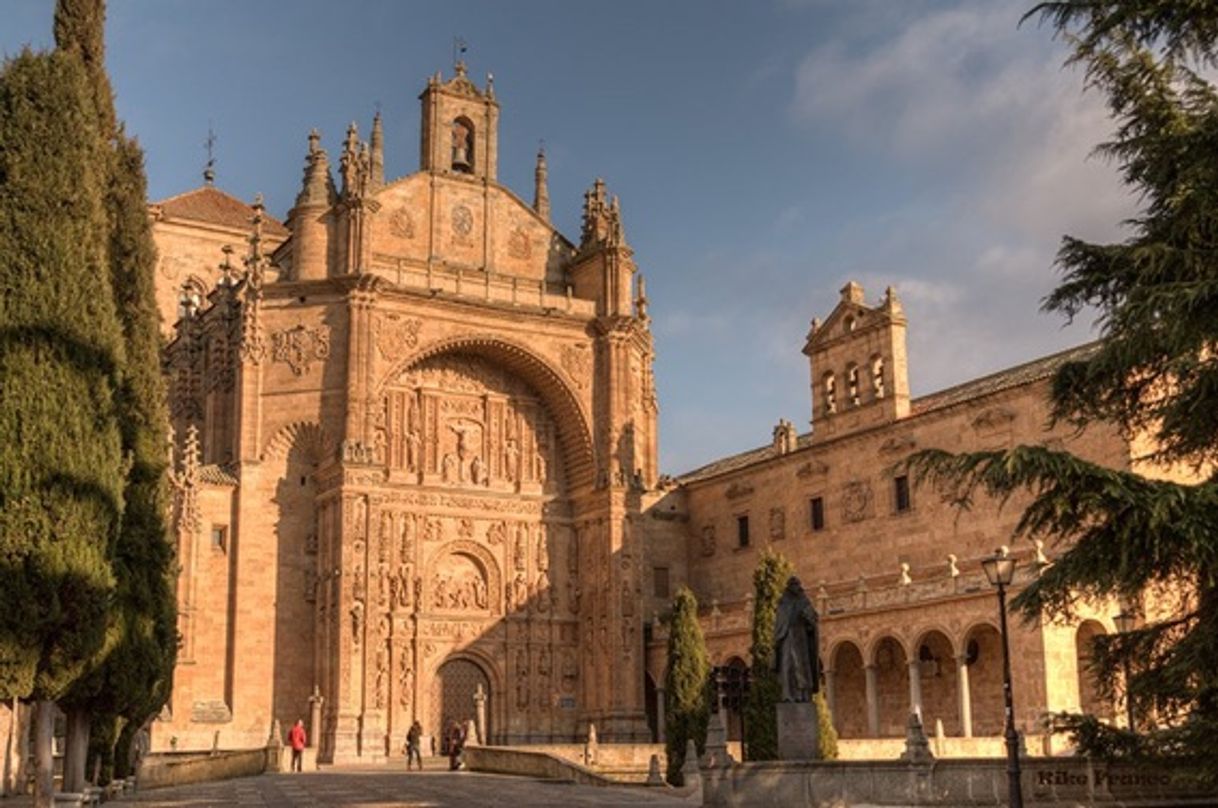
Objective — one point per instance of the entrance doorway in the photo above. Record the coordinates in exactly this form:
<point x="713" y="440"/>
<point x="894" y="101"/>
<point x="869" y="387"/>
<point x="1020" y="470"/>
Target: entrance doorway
<point x="457" y="681"/>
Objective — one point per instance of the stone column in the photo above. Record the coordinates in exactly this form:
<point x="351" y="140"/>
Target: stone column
<point x="966" y="702"/>
<point x="915" y="687"/>
<point x="315" y="715"/>
<point x="480" y="713"/>
<point x="873" y="702"/>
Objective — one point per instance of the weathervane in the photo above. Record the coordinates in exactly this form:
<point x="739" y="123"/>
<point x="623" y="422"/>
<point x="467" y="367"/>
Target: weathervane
<point x="459" y="49"/>
<point x="209" y="170"/>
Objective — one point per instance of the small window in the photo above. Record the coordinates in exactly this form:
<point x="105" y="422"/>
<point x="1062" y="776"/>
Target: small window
<point x="219" y="537"/>
<point x="852" y="383"/>
<point x="830" y="383"/>
<point x="659" y="577"/>
<point x="742" y="531"/>
<point x="816" y="507"/>
<point x="900" y="488"/>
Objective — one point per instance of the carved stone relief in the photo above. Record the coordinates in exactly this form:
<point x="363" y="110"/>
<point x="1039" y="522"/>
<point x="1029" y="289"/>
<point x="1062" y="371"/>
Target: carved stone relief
<point x="300" y="346"/>
<point x="395" y="335"/>
<point x="708" y="540"/>
<point x="778" y="523"/>
<point x="401" y="224"/>
<point x="857" y="501"/>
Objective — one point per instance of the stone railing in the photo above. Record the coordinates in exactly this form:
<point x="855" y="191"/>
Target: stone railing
<point x="182" y="768"/>
<point x="1068" y="781"/>
<point x="528" y="762"/>
<point x="896" y="590"/>
<point x="484" y="286"/>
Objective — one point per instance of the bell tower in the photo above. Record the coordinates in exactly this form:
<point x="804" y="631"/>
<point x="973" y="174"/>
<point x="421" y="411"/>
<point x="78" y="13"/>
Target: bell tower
<point x="460" y="127"/>
<point x="858" y="364"/>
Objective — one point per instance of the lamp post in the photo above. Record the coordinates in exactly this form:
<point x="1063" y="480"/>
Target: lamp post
<point x="1125" y="620"/>
<point x="1000" y="570"/>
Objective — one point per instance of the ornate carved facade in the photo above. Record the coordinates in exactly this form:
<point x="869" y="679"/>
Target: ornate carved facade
<point x="434" y="420"/>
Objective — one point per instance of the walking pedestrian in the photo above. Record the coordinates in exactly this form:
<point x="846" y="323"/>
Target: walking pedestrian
<point x="456" y="742"/>
<point x="414" y="737"/>
<point x="298" y="739"/>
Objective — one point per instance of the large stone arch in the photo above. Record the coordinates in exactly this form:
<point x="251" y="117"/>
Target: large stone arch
<point x="573" y="423"/>
<point x="304" y="436"/>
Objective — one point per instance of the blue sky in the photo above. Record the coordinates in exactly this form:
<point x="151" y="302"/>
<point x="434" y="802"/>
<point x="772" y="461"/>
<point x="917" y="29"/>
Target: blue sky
<point x="765" y="153"/>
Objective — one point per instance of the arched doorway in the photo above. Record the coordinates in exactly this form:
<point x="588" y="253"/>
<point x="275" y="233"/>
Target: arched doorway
<point x="1090" y="700"/>
<point x="456" y="683"/>
<point x="849" y="692"/>
<point x="735" y="716"/>
<point x="938" y="680"/>
<point x="892" y="684"/>
<point x="983" y="657"/>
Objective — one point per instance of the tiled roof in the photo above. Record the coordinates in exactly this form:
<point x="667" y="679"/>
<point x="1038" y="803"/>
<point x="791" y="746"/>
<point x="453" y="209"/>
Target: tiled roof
<point x="1028" y="372"/>
<point x="216" y="475"/>
<point x="1002" y="380"/>
<point x="211" y="205"/>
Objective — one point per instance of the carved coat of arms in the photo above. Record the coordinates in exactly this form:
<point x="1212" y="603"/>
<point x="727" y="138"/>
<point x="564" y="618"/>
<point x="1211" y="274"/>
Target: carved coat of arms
<point x="300" y="346"/>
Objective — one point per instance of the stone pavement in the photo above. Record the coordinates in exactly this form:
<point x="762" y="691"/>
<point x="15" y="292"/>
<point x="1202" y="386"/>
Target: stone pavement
<point x="392" y="786"/>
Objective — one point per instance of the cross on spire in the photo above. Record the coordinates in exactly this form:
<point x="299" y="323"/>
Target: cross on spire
<point x="209" y="169"/>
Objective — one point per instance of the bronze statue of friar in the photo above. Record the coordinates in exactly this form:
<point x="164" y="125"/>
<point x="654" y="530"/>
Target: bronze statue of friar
<point x="796" y="644"/>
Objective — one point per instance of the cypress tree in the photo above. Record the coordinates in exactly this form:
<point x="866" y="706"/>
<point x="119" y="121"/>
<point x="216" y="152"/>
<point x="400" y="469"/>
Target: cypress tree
<point x="1154" y="376"/>
<point x="61" y="459"/>
<point x="828" y="733"/>
<point x="760" y="721"/>
<point x="686" y="684"/>
<point x="132" y="677"/>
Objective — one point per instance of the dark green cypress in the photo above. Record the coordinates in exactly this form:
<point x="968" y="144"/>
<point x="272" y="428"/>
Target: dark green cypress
<point x="760" y="719"/>
<point x="132" y="678"/>
<point x="827" y="739"/>
<point x="61" y="460"/>
<point x="687" y="706"/>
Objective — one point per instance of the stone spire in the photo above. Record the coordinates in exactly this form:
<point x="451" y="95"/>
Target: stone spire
<point x="541" y="191"/>
<point x="317" y="187"/>
<point x="377" y="179"/>
<point x="596" y="215"/>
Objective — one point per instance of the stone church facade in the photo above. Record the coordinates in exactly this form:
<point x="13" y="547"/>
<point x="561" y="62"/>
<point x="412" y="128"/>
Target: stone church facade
<point x="416" y="460"/>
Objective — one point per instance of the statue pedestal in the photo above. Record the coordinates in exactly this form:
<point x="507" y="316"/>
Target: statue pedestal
<point x="798" y="730"/>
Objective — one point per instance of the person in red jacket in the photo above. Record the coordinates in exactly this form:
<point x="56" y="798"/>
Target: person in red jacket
<point x="299" y="740"/>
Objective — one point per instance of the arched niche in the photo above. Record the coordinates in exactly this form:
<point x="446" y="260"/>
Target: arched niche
<point x="457" y="573"/>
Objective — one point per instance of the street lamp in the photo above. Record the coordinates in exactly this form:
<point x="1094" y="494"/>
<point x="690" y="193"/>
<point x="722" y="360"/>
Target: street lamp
<point x="1000" y="570"/>
<point x="1125" y="620"/>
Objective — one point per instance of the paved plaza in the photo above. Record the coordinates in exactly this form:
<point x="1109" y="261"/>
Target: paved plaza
<point x="393" y="787"/>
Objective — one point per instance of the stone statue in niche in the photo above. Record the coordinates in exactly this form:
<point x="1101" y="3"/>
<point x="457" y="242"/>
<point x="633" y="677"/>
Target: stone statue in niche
<point x="359" y="515"/>
<point x="435" y="530"/>
<point x="358" y="590"/>
<point x="406" y="679"/>
<point x="412" y="441"/>
<point x="573" y="595"/>
<point x="406" y="536"/>
<point x="511" y="454"/>
<point x="448" y="469"/>
<point x="542" y="592"/>
<point x="310" y="588"/>
<point x="521" y="591"/>
<point x="382" y="674"/>
<point x="465" y="528"/>
<point x="496" y="533"/>
<point x="477" y="471"/>
<point x="520" y="556"/>
<point x="382" y="584"/>
<point x="543" y="550"/>
<point x="384" y="537"/>
<point x="357" y="622"/>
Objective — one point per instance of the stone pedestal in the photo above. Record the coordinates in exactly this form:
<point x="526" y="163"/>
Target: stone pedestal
<point x="798" y="731"/>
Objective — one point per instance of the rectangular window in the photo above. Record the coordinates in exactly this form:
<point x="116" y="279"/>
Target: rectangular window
<point x="659" y="577"/>
<point x="816" y="507"/>
<point x="742" y="531"/>
<point x="219" y="537"/>
<point x="900" y="488"/>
